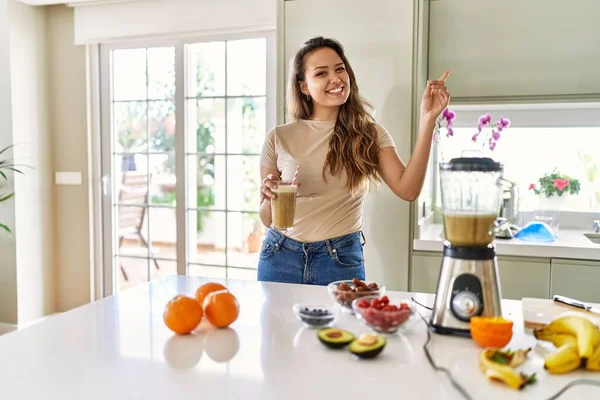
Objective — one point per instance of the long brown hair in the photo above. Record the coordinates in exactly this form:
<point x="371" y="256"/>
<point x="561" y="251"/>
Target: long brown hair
<point x="353" y="145"/>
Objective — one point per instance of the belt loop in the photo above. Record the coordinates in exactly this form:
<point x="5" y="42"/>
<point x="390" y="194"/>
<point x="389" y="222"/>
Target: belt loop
<point x="363" y="237"/>
<point x="329" y="249"/>
<point x="278" y="245"/>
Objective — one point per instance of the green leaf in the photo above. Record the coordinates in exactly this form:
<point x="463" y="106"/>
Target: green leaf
<point x="529" y="379"/>
<point x="502" y="357"/>
<point x="6" y="197"/>
<point x="5" y="228"/>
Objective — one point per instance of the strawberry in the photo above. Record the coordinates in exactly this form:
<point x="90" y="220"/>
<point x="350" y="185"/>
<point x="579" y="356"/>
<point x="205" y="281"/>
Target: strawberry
<point x="364" y="303"/>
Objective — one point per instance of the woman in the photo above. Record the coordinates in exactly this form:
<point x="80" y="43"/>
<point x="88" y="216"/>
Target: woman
<point x="340" y="151"/>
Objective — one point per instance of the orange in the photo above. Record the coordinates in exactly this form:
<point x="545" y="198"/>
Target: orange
<point x="491" y="331"/>
<point x="207" y="288"/>
<point x="492" y="324"/>
<point x="221" y="308"/>
<point x="182" y="314"/>
<point x="489" y="339"/>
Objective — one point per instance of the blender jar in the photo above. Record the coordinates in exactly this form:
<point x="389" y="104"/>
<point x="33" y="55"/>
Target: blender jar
<point x="471" y="191"/>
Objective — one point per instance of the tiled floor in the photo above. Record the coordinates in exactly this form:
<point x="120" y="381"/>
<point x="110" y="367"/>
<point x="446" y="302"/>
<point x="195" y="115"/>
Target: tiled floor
<point x="140" y="270"/>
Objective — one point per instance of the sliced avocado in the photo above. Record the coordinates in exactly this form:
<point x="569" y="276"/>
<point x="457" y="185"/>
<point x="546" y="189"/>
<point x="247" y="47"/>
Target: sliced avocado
<point x="368" y="345"/>
<point x="335" y="338"/>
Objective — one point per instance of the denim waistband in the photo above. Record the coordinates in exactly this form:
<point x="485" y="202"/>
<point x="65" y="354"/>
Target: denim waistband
<point x="326" y="245"/>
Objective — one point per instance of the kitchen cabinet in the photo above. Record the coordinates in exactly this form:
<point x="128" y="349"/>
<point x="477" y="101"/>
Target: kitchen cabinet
<point x="576" y="278"/>
<point x="378" y="41"/>
<point x="524" y="277"/>
<point x="519" y="276"/>
<point x="516" y="48"/>
<point x="425" y="270"/>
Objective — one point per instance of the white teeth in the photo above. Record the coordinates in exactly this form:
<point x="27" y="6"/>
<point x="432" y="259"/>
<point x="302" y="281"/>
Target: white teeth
<point x="336" y="90"/>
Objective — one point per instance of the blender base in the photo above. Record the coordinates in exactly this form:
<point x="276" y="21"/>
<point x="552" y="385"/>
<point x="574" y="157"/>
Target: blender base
<point x="449" y="331"/>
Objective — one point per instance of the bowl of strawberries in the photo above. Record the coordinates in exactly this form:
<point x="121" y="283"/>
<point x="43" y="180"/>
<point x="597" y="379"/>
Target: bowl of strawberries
<point x="384" y="314"/>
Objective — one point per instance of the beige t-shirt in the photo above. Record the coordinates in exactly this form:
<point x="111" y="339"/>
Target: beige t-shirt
<point x="324" y="210"/>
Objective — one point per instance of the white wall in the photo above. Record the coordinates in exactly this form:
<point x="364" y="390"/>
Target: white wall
<point x="152" y="18"/>
<point x="68" y="127"/>
<point x="378" y="42"/>
<point x="46" y="266"/>
<point x="8" y="260"/>
<point x="31" y="135"/>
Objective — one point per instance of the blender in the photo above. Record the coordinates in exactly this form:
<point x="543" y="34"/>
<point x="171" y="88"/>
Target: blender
<point x="468" y="283"/>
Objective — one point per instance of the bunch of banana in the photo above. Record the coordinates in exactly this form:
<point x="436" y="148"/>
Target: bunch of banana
<point x="500" y="365"/>
<point x="577" y="341"/>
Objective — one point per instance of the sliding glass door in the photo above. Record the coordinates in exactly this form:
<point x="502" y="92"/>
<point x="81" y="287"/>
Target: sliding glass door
<point x="182" y="127"/>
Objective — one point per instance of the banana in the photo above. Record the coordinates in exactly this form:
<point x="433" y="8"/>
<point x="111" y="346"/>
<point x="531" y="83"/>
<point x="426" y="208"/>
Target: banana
<point x="565" y="359"/>
<point x="503" y="372"/>
<point x="557" y="339"/>
<point x="587" y="334"/>
<point x="593" y="363"/>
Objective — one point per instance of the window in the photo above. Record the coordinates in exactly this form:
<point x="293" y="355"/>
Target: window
<point x="185" y="117"/>
<point x="542" y="137"/>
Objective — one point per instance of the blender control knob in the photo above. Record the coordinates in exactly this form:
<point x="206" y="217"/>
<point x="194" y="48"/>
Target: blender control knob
<point x="465" y="305"/>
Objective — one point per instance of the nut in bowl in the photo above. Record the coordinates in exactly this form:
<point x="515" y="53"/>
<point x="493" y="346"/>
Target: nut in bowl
<point x="315" y="315"/>
<point x="383" y="314"/>
<point x="345" y="292"/>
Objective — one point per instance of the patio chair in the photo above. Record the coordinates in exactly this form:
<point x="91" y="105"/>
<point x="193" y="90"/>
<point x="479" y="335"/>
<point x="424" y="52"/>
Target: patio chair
<point x="134" y="191"/>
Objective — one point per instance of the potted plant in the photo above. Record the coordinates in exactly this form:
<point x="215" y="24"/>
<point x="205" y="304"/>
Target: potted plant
<point x="6" y="165"/>
<point x="554" y="189"/>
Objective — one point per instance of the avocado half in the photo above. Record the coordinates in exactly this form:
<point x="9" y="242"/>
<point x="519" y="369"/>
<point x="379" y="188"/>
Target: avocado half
<point x="368" y="345"/>
<point x="335" y="338"/>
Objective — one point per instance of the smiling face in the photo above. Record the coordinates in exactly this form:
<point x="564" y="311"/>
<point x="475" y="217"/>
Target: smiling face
<point x="326" y="80"/>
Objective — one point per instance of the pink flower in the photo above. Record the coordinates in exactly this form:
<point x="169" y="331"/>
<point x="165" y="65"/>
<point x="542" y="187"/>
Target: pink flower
<point x="450" y="132"/>
<point x="485" y="119"/>
<point x="492" y="145"/>
<point x="532" y="186"/>
<point x="560" y="184"/>
<point x="495" y="135"/>
<point x="449" y="116"/>
<point x="503" y="122"/>
<point x="475" y="136"/>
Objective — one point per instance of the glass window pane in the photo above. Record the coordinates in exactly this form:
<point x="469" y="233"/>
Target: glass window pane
<point x="130" y="131"/>
<point x="131" y="271"/>
<point x="245" y="235"/>
<point x="131" y="187"/>
<point x="247" y="67"/>
<point x="162" y="232"/>
<point x="209" y="192"/>
<point x="243" y="183"/>
<point x="206" y="271"/>
<point x="529" y="153"/>
<point x="246" y="124"/>
<point x="132" y="230"/>
<point x="210" y="126"/>
<point x="161" y="125"/>
<point x="163" y="179"/>
<point x="210" y="238"/>
<point x="208" y="64"/>
<point x="161" y="73"/>
<point x="129" y="74"/>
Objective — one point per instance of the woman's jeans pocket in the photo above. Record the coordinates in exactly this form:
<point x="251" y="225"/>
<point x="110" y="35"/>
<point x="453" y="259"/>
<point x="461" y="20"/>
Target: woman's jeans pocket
<point x="349" y="255"/>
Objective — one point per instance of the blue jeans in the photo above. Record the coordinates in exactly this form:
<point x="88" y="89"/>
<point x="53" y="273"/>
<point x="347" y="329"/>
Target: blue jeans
<point x="317" y="263"/>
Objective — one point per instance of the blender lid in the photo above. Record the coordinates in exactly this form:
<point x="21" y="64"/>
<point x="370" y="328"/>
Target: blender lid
<point x="481" y="164"/>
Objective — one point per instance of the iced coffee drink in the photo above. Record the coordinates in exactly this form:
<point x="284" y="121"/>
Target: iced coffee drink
<point x="283" y="206"/>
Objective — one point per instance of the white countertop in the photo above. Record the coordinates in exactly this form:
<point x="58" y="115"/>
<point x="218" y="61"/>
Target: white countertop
<point x="119" y="348"/>
<point x="570" y="243"/>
